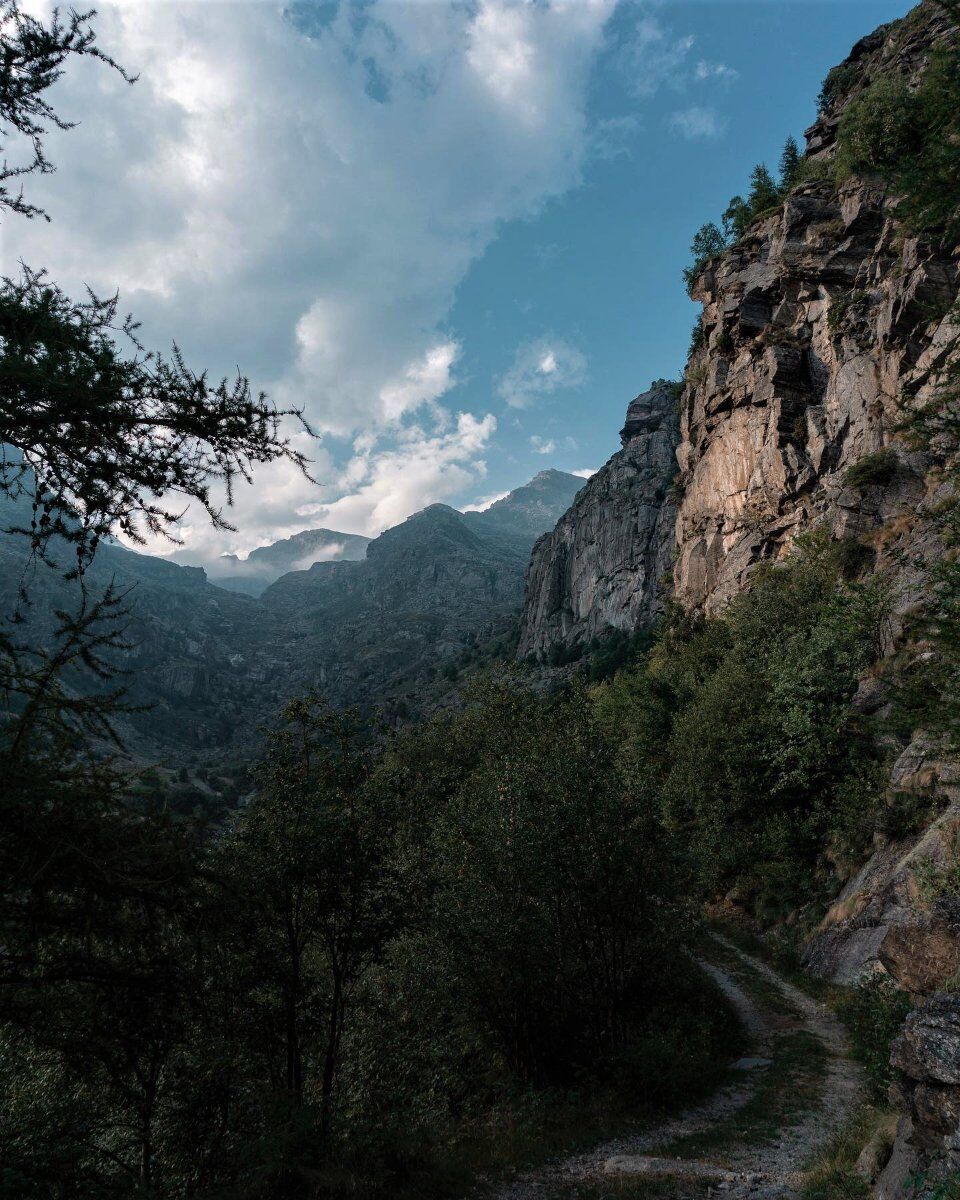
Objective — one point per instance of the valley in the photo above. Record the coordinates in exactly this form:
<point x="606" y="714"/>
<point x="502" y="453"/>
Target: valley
<point x="598" y="840"/>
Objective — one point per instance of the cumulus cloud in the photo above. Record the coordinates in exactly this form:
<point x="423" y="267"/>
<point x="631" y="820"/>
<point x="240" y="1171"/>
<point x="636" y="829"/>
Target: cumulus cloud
<point x="386" y="484"/>
<point x="541" y="445"/>
<point x="423" y="381"/>
<point x="585" y="472"/>
<point x="302" y="190"/>
<point x="540" y="368"/>
<point x="697" y="122"/>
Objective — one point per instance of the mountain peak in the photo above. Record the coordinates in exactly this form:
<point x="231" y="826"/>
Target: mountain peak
<point x="534" y="507"/>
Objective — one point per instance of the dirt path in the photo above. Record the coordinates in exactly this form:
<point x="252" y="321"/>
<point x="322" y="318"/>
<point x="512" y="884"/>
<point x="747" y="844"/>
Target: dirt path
<point x="720" y="1144"/>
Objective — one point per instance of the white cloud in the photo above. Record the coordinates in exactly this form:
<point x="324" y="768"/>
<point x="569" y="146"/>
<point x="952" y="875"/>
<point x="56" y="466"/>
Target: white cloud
<point x="387" y="484"/>
<point x="611" y="137"/>
<point x="585" y="472"/>
<point x="306" y="200"/>
<point x="423" y="382"/>
<point x="540" y="445"/>
<point x="697" y="122"/>
<point x="650" y="58"/>
<point x="485" y="502"/>
<point x="329" y="553"/>
<point x="540" y="368"/>
<point x="718" y="71"/>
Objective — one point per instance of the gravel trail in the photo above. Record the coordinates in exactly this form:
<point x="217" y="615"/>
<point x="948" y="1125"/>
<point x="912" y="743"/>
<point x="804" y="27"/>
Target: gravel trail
<point x="768" y="1170"/>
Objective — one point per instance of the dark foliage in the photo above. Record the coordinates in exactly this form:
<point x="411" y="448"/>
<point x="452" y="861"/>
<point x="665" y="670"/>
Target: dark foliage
<point x="96" y="439"/>
<point x="31" y="62"/>
<point x="873" y="470"/>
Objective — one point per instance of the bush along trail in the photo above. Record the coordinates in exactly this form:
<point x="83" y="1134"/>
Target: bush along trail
<point x="781" y="1107"/>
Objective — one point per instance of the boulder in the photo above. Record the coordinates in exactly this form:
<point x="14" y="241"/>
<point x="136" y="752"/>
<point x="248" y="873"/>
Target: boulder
<point x="928" y="1048"/>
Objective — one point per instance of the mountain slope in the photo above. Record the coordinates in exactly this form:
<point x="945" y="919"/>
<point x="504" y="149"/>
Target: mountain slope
<point x="530" y="509"/>
<point x="414" y="610"/>
<point x="828" y="328"/>
<point x="209" y="665"/>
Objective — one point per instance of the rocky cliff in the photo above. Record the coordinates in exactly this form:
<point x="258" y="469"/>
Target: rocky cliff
<point x="603" y="567"/>
<point x="817" y="326"/>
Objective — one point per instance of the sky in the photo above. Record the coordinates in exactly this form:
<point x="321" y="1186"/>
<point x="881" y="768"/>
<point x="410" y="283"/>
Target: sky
<point x="453" y="232"/>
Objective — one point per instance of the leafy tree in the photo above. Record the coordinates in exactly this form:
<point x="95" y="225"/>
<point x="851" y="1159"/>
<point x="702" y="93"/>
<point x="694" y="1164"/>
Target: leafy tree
<point x="552" y="882"/>
<point x="707" y="242"/>
<point x="96" y="439"/>
<point x="102" y="984"/>
<point x="310" y="854"/>
<point x="32" y="60"/>
<point x="736" y="218"/>
<point x="744" y="726"/>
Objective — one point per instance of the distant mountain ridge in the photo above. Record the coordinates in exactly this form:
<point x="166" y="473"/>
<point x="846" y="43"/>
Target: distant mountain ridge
<point x="265" y="564"/>
<point x="526" y="510"/>
<point x="214" y="664"/>
<point x="428" y="590"/>
<point x="532" y="508"/>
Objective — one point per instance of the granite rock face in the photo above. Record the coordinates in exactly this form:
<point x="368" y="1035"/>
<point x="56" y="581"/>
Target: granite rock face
<point x="603" y="566"/>
<point x="817" y="326"/>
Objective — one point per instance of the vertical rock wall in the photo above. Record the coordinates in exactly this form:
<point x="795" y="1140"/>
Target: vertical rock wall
<point x="604" y="565"/>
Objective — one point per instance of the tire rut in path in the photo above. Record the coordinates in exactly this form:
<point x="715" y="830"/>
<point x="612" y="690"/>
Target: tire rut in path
<point x="766" y="1170"/>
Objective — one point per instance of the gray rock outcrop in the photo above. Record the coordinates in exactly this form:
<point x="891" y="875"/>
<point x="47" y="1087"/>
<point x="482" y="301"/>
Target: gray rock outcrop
<point x="603" y="566"/>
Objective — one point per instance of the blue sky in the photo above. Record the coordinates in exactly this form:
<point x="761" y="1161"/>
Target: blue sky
<point x="600" y="267"/>
<point x="453" y="232"/>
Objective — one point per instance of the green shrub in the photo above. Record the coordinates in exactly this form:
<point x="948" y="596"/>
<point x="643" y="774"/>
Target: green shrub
<point x="873" y="470"/>
<point x="744" y="727"/>
<point x="911" y="139"/>
<point x="874" y="1012"/>
<point x="940" y="879"/>
<point x="841" y="305"/>
<point x="879" y="129"/>
<point x="838" y="81"/>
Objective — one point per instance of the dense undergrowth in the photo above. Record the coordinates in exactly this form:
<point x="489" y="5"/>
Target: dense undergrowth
<point x="389" y="962"/>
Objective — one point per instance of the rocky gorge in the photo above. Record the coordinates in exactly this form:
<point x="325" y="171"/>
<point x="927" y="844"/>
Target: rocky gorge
<point x="823" y="327"/>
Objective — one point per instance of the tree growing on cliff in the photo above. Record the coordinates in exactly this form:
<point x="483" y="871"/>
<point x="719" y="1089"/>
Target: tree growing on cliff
<point x="790" y="160"/>
<point x="764" y="193"/>
<point x="707" y="243"/>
